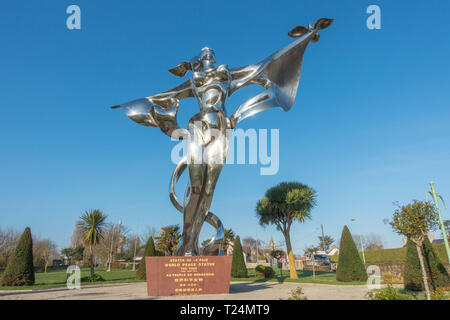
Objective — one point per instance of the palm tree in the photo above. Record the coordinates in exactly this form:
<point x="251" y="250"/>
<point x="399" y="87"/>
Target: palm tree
<point x="228" y="237"/>
<point x="325" y="242"/>
<point x="168" y="241"/>
<point x="282" y="205"/>
<point x="92" y="224"/>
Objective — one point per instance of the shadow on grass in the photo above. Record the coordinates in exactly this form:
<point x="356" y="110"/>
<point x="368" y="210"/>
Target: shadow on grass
<point x="246" y="287"/>
<point x="284" y="276"/>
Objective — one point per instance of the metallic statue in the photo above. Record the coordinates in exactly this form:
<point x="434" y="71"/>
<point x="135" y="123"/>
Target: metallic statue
<point x="278" y="74"/>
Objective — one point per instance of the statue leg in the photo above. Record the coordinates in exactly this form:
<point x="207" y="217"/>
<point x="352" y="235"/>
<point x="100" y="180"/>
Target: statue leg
<point x="204" y="170"/>
<point x="193" y="210"/>
<point x="198" y="201"/>
<point x="214" y="245"/>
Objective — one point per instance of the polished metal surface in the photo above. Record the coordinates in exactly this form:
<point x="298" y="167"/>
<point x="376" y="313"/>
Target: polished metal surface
<point x="206" y="134"/>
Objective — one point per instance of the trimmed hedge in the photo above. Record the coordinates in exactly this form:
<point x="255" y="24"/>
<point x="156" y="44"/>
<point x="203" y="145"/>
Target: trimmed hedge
<point x="350" y="266"/>
<point x="238" y="268"/>
<point x="436" y="272"/>
<point x="149" y="251"/>
<point x="20" y="269"/>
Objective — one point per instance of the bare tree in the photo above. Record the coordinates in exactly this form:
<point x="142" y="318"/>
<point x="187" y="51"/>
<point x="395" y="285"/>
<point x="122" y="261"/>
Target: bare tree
<point x="118" y="237"/>
<point x="44" y="251"/>
<point x="8" y="241"/>
<point x="149" y="232"/>
<point x="252" y="243"/>
<point x="373" y="241"/>
<point x="77" y="235"/>
<point x="310" y="252"/>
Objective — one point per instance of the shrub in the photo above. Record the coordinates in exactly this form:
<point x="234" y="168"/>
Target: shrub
<point x="439" y="294"/>
<point x="259" y="271"/>
<point x="95" y="278"/>
<point x="20" y="269"/>
<point x="388" y="277"/>
<point x="264" y="272"/>
<point x="350" y="266"/>
<point x="238" y="268"/>
<point x="269" y="272"/>
<point x="149" y="251"/>
<point x="436" y="273"/>
<point x="388" y="293"/>
<point x="297" y="294"/>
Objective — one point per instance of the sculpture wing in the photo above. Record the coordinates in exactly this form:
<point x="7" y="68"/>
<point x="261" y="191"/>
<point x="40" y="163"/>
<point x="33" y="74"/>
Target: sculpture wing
<point x="159" y="110"/>
<point x="279" y="74"/>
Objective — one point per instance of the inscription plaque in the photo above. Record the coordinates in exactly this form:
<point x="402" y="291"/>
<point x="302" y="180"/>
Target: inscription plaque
<point x="168" y="276"/>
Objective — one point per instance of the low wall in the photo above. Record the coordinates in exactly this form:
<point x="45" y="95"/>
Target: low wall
<point x="252" y="265"/>
<point x="299" y="265"/>
<point x="397" y="268"/>
<point x="394" y="268"/>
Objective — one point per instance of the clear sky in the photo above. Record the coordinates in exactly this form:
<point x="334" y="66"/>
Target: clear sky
<point x="370" y="124"/>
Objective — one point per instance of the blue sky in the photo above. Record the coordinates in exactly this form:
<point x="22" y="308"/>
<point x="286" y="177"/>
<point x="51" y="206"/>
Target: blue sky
<point x="370" y="124"/>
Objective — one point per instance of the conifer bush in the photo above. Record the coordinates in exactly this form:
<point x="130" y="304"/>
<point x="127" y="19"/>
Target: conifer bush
<point x="438" y="276"/>
<point x="238" y="268"/>
<point x="149" y="251"/>
<point x="350" y="266"/>
<point x="20" y="269"/>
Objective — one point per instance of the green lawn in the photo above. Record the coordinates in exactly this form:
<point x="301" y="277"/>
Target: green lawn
<point x="322" y="277"/>
<point x="53" y="279"/>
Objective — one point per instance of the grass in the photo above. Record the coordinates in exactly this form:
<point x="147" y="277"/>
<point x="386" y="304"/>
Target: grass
<point x="55" y="279"/>
<point x="306" y="276"/>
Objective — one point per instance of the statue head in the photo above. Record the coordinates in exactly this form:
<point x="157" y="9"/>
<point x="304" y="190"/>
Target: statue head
<point x="203" y="62"/>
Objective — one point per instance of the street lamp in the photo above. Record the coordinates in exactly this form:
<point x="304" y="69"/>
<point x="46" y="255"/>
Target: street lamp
<point x="362" y="245"/>
<point x="441" y="222"/>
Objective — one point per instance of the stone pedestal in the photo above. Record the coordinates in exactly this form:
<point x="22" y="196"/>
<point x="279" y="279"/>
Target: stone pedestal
<point x="168" y="276"/>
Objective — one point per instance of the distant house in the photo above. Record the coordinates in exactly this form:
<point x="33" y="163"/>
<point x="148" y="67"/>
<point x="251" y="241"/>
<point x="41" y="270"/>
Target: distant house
<point x="251" y="255"/>
<point x="334" y="251"/>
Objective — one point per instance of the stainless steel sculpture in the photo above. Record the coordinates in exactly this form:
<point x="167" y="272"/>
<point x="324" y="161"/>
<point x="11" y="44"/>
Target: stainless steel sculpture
<point x="278" y="74"/>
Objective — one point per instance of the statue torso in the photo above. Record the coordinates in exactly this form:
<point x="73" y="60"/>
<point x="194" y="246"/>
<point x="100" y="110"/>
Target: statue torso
<point x="211" y="87"/>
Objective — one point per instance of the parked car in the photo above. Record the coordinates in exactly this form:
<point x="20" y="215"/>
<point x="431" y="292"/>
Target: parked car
<point x="322" y="260"/>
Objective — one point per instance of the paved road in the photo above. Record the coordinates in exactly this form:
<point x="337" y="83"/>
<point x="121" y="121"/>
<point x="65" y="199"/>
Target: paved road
<point x="238" y="291"/>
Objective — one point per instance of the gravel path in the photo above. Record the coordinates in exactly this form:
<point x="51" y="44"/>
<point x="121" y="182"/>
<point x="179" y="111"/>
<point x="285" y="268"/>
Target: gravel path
<point x="238" y="291"/>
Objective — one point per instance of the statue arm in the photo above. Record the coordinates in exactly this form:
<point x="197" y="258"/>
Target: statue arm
<point x="278" y="74"/>
<point x="160" y="110"/>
